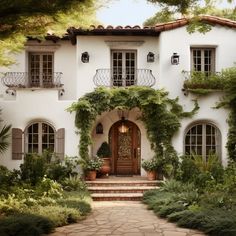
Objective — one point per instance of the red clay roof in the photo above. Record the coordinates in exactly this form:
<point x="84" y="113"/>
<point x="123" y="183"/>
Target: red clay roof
<point x="213" y="20"/>
<point x="157" y="28"/>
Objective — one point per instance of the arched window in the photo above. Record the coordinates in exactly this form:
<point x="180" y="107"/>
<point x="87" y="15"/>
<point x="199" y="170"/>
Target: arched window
<point x="40" y="136"/>
<point x="202" y="139"/>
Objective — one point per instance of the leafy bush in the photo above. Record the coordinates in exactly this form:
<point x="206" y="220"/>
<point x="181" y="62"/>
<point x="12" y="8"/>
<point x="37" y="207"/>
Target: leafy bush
<point x="74" y="183"/>
<point x="12" y="205"/>
<point x="49" y="188"/>
<point x="150" y="165"/>
<point x="83" y="207"/>
<point x="25" y="225"/>
<point x="7" y="176"/>
<point x="59" y="215"/>
<point x="166" y="210"/>
<point x="58" y="170"/>
<point x="33" y="169"/>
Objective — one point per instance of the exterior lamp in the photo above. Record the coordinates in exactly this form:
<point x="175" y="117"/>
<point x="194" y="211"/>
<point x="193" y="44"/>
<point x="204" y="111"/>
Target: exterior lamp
<point x="85" y="57"/>
<point x="175" y="59"/>
<point x="150" y="57"/>
<point x="123" y="128"/>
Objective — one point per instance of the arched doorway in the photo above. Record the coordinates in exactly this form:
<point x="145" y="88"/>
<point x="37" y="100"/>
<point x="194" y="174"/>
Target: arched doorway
<point x="125" y="141"/>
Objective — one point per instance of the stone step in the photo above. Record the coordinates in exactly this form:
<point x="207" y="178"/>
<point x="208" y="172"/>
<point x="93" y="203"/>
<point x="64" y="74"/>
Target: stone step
<point x="120" y="189"/>
<point x="117" y="196"/>
<point x="123" y="183"/>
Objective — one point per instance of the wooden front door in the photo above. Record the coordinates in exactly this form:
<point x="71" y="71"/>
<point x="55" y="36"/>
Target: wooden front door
<point x="125" y="148"/>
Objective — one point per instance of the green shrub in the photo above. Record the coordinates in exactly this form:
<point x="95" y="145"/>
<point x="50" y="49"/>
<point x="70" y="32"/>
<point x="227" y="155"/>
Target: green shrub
<point x="59" y="215"/>
<point x="49" y="188"/>
<point x="74" y="183"/>
<point x="176" y="216"/>
<point x="25" y="225"/>
<point x="33" y="169"/>
<point x="83" y="207"/>
<point x="58" y="170"/>
<point x="166" y="210"/>
<point x="12" y="205"/>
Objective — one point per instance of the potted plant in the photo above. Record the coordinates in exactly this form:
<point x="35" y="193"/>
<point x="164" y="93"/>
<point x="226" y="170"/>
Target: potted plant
<point x="104" y="152"/>
<point x="150" y="166"/>
<point x="92" y="166"/>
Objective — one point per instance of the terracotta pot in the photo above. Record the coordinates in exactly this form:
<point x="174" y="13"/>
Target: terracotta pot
<point x="106" y="166"/>
<point x="151" y="175"/>
<point x="91" y="175"/>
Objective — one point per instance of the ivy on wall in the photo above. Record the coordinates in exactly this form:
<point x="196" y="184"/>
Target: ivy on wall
<point x="229" y="101"/>
<point x="160" y="115"/>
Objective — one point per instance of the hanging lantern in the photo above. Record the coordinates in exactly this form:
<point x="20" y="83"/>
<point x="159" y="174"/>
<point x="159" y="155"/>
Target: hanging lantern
<point x="123" y="128"/>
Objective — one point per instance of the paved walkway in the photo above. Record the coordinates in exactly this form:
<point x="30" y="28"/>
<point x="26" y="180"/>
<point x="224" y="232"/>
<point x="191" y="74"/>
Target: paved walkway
<point x="123" y="218"/>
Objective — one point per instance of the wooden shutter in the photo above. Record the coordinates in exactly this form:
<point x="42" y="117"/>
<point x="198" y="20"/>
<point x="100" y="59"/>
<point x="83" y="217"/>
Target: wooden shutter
<point x="60" y="143"/>
<point x="17" y="144"/>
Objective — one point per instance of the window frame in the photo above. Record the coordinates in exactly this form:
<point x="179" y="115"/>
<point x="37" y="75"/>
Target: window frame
<point x="218" y="138"/>
<point x="42" y="77"/>
<point x="203" y="64"/>
<point x="40" y="135"/>
<point x="126" y="82"/>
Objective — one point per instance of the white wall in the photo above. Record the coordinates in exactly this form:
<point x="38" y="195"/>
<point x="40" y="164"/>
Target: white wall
<point x="99" y="50"/>
<point x="171" y="78"/>
<point x="39" y="105"/>
<point x="64" y="61"/>
<point x="77" y="78"/>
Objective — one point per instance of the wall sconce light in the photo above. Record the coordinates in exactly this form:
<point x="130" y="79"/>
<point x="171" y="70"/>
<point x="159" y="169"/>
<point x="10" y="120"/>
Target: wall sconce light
<point x="85" y="57"/>
<point x="99" y="128"/>
<point x="175" y="59"/>
<point x="150" y="57"/>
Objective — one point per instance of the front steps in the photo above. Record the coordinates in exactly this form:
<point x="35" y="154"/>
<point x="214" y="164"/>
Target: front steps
<point x="120" y="189"/>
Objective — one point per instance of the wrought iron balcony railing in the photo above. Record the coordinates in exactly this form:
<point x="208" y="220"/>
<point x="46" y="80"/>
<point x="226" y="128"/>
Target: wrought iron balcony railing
<point x="15" y="80"/>
<point x="124" y="78"/>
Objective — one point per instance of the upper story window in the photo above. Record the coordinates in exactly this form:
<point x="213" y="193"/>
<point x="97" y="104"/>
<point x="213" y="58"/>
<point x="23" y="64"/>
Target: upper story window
<point x="203" y="60"/>
<point x="202" y="139"/>
<point x="41" y="69"/>
<point x="124" y="68"/>
<point x="40" y="136"/>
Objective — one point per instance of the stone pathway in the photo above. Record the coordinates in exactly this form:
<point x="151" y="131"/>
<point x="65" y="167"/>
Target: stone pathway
<point x="124" y="218"/>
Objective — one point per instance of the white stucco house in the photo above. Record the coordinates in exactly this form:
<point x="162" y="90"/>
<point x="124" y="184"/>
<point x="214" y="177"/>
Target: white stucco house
<point x="50" y="75"/>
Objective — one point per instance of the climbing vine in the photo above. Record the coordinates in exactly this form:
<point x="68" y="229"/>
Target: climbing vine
<point x="160" y="115"/>
<point x="229" y="101"/>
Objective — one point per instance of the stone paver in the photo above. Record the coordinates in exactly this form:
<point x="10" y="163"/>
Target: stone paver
<point x="123" y="218"/>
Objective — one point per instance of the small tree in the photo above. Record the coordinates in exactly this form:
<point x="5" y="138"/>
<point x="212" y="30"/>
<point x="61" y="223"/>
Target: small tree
<point x="104" y="150"/>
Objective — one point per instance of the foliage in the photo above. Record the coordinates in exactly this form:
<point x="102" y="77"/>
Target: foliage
<point x="83" y="207"/>
<point x="25" y="225"/>
<point x="74" y="183"/>
<point x="104" y="150"/>
<point x="94" y="163"/>
<point x="49" y="188"/>
<point x="59" y="215"/>
<point x="33" y="168"/>
<point x="35" y="19"/>
<point x="59" y="170"/>
<point x="190" y="9"/>
<point x="154" y="105"/>
<point x="150" y="165"/>
<point x="204" y="202"/>
<point x="201" y="83"/>
<point x="201" y="172"/>
<point x="229" y="101"/>
<point x="4" y="135"/>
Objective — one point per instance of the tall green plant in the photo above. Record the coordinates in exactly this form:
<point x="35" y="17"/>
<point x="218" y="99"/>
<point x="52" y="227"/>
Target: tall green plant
<point x="153" y="104"/>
